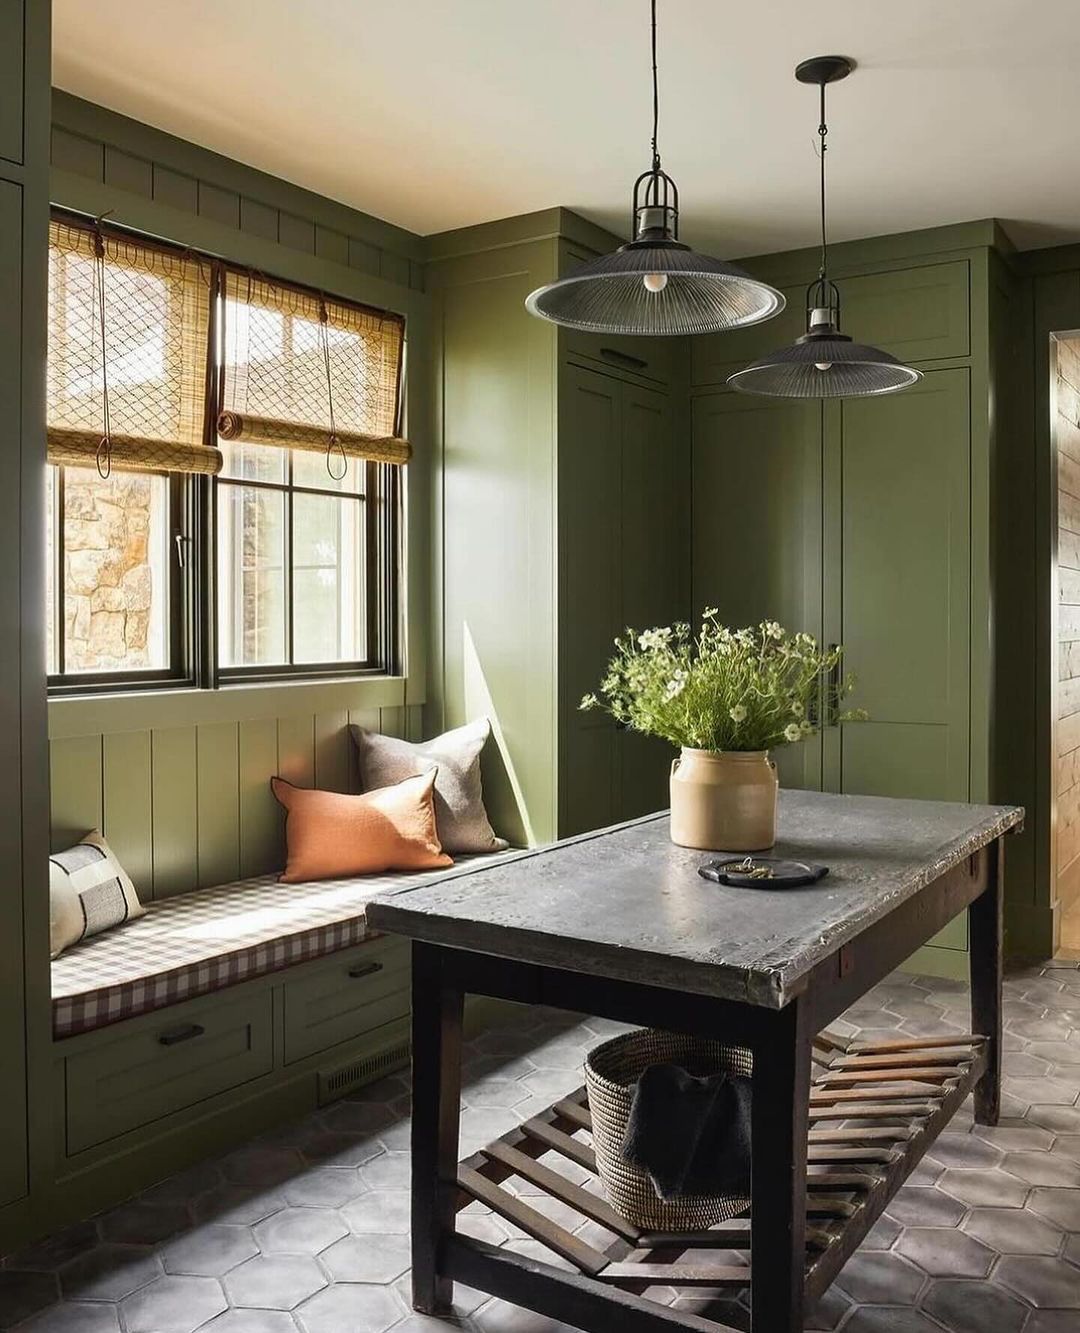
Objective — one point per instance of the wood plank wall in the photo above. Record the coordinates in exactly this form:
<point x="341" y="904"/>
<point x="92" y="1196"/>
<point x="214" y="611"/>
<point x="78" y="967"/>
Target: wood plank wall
<point x="187" y="807"/>
<point x="1067" y="861"/>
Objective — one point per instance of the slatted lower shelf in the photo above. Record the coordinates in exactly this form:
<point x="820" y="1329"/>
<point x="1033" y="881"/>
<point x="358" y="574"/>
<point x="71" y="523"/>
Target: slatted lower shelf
<point x="875" y="1107"/>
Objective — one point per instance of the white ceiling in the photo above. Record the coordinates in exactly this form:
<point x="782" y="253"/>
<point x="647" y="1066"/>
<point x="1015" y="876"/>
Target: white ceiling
<point x="439" y="113"/>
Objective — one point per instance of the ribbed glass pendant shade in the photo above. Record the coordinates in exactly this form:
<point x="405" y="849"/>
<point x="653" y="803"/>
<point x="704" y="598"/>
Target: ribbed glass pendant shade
<point x="824" y="364"/>
<point x="656" y="288"/>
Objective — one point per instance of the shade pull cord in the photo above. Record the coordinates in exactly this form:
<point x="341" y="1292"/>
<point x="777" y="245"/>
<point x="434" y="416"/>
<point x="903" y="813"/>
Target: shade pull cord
<point x="332" y="442"/>
<point x="103" y="453"/>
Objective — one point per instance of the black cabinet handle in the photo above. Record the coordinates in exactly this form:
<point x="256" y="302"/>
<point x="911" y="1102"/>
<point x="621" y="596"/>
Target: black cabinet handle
<point x="365" y="969"/>
<point x="618" y="358"/>
<point x="181" y="1034"/>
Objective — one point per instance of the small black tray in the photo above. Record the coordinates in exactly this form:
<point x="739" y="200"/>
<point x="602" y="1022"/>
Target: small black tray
<point x="785" y="874"/>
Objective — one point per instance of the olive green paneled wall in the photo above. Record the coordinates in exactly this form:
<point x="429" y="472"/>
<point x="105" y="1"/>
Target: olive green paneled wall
<point x="188" y="805"/>
<point x="24" y="124"/>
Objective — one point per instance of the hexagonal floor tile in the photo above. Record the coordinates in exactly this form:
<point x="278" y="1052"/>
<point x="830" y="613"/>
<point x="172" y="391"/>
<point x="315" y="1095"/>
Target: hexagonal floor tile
<point x="261" y="1166"/>
<point x="75" y="1317"/>
<point x="46" y="1255"/>
<point x="974" y="1307"/>
<point x="1057" y="1119"/>
<point x="351" y="1306"/>
<point x="1013" y="1231"/>
<point x="1051" y="1321"/>
<point x="109" y="1272"/>
<point x="925" y="1206"/>
<point x="23" y="1294"/>
<point x="370" y="1258"/>
<point x="300" y="1231"/>
<point x="880" y="1278"/>
<point x="251" y="1321"/>
<point x="1061" y="1206"/>
<point x="964" y="1150"/>
<point x="1045" y="1282"/>
<point x="324" y="1186"/>
<point x="237" y="1205"/>
<point x="945" y="1252"/>
<point x="276" y="1281"/>
<point x="1042" y="1168"/>
<point x="890" y="1319"/>
<point x="984" y="1189"/>
<point x="382" y="1211"/>
<point x="139" y="1223"/>
<point x="390" y="1171"/>
<point x="209" y="1251"/>
<point x="173" y="1305"/>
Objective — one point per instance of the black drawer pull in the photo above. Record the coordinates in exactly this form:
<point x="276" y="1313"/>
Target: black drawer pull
<point x="178" y="1035"/>
<point x="623" y="358"/>
<point x="365" y="969"/>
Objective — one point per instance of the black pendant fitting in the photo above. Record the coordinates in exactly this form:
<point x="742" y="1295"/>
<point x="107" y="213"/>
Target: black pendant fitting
<point x="824" y="69"/>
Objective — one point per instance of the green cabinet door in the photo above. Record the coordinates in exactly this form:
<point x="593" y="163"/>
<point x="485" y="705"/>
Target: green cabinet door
<point x="655" y="545"/>
<point x="589" y="601"/>
<point x="898" y="581"/>
<point x="757" y="514"/>
<point x="13" y="1123"/>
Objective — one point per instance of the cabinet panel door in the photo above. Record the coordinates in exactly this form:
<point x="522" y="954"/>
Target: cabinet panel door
<point x="757" y="526"/>
<point x="655" y="547"/>
<point x="898" y="572"/>
<point x="590" y="602"/>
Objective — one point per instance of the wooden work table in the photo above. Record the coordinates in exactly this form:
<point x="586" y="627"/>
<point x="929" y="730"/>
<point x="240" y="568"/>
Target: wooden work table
<point x="619" y="924"/>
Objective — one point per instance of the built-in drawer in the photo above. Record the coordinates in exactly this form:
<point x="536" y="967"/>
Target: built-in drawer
<point x="167" y="1065"/>
<point x="351" y="993"/>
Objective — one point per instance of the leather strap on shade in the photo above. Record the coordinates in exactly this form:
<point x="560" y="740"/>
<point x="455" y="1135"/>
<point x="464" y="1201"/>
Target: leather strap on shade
<point x="296" y="435"/>
<point x="131" y="453"/>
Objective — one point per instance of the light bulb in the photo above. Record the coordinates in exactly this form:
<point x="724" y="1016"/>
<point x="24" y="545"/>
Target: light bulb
<point x="655" y="282"/>
<point x="823" y="365"/>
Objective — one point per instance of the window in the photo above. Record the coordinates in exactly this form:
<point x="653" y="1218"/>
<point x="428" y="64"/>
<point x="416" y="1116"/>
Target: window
<point x="301" y="542"/>
<point x="178" y="557"/>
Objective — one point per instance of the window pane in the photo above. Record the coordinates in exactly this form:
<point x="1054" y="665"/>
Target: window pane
<point x="251" y="576"/>
<point x="328" y="579"/>
<point x="116" y="570"/>
<point x="309" y="469"/>
<point x="253" y="462"/>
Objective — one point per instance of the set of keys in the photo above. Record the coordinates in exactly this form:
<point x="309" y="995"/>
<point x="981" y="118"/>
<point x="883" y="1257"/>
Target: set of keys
<point x="752" y="871"/>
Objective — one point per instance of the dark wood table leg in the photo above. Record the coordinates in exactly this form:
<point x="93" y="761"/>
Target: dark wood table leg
<point x="778" y="1188"/>
<point x="436" y="1109"/>
<point x="985" y="961"/>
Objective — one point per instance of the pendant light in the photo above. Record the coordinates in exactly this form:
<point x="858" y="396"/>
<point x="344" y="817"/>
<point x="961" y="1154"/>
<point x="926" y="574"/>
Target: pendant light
<point x="824" y="363"/>
<point x="655" y="284"/>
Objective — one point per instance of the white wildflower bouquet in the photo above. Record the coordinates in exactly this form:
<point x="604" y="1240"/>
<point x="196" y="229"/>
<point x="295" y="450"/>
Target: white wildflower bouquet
<point x="743" y="689"/>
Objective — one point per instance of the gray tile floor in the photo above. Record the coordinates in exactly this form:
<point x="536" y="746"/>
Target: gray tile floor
<point x="305" y="1229"/>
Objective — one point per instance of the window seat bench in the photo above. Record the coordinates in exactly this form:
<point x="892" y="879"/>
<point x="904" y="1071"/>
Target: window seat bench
<point x="206" y="940"/>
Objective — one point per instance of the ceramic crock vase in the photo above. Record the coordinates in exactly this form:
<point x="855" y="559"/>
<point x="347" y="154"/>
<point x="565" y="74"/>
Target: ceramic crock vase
<point x="723" y="801"/>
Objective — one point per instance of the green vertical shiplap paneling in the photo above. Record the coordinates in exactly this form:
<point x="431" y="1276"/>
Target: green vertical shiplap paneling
<point x="217" y="753"/>
<point x="127" y="800"/>
<point x="332" y="746"/>
<point x="260" y="816"/>
<point x="172" y="753"/>
<point x="369" y="719"/>
<point x="76" y="787"/>
<point x="296" y="750"/>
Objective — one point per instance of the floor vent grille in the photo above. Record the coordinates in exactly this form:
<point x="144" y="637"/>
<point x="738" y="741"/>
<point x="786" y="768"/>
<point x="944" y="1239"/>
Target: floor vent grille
<point x="335" y="1083"/>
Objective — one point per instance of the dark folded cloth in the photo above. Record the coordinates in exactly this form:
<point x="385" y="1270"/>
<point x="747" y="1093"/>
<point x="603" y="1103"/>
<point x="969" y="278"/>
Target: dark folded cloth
<point x="690" y="1135"/>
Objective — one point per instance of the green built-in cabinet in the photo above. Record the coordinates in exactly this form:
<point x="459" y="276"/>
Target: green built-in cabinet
<point x="865" y="522"/>
<point x="564" y="518"/>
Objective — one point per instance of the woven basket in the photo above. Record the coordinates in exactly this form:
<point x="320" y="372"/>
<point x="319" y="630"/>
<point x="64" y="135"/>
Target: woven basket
<point x="611" y="1074"/>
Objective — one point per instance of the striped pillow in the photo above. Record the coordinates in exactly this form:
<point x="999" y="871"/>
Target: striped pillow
<point x="89" y="892"/>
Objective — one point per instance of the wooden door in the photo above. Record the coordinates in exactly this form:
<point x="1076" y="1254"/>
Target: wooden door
<point x="757" y="514"/>
<point x="590" y="603"/>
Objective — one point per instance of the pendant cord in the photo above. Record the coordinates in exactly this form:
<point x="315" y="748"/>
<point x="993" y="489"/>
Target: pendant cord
<point x="655" y="97"/>
<point x="823" y="131"/>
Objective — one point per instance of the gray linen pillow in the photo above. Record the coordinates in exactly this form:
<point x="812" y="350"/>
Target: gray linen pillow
<point x="89" y="891"/>
<point x="459" y="797"/>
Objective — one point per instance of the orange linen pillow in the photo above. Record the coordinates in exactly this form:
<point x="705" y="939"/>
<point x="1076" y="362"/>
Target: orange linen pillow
<point x="331" y="836"/>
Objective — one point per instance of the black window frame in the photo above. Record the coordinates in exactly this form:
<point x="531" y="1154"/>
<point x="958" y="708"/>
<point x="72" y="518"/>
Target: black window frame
<point x="193" y="569"/>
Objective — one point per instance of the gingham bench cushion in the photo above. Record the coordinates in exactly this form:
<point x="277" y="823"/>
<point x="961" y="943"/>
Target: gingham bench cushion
<point x="212" y="938"/>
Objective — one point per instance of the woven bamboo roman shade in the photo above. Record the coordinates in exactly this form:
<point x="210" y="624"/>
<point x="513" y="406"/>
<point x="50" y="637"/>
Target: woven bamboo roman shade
<point x="156" y="336"/>
<point x="297" y="364"/>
